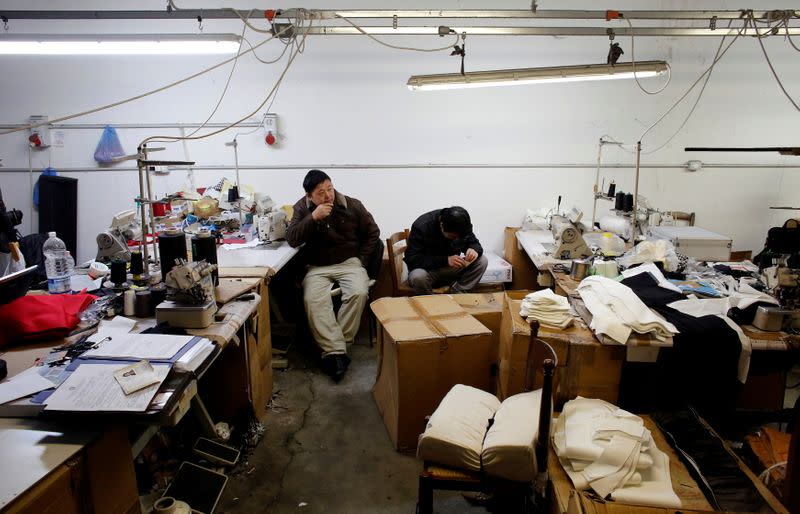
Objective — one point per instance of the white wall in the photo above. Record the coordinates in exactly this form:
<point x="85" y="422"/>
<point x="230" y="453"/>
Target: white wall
<point x="344" y="107"/>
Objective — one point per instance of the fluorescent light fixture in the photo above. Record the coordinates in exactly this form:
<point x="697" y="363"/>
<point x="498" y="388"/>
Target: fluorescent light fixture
<point x="536" y="75"/>
<point x="118" y="44"/>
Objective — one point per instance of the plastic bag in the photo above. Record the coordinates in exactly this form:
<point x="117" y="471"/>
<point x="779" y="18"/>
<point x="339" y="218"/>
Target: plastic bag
<point x="650" y="251"/>
<point x="47" y="172"/>
<point x="109" y="146"/>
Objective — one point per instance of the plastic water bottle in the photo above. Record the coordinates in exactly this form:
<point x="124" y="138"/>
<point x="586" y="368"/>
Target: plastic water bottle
<point x="58" y="263"/>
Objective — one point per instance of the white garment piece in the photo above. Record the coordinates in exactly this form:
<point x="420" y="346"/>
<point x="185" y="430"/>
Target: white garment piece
<point x="548" y="308"/>
<point x="625" y="462"/>
<point x="616" y="310"/>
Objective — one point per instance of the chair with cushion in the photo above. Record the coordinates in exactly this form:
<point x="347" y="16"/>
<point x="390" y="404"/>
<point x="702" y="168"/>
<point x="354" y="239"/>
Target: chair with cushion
<point x="459" y="454"/>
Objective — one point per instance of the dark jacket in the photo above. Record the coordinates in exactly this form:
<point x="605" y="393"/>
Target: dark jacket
<point x="349" y="231"/>
<point x="429" y="249"/>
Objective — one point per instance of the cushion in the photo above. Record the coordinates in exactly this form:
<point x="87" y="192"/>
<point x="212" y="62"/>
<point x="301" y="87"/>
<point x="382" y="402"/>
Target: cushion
<point x="454" y="434"/>
<point x="508" y="449"/>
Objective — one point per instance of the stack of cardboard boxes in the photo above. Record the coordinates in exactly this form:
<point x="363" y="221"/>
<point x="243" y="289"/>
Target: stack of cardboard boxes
<point x="427" y="344"/>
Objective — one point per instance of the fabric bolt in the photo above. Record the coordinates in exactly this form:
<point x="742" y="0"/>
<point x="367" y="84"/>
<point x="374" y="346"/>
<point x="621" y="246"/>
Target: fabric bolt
<point x="37" y="317"/>
<point x="333" y="331"/>
<point x="460" y="280"/>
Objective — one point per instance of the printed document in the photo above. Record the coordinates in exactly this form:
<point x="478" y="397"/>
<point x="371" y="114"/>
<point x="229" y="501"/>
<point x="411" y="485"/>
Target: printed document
<point x="92" y="387"/>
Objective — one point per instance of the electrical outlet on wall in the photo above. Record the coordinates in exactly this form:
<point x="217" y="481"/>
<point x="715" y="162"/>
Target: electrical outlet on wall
<point x="39" y="137"/>
<point x="271" y="136"/>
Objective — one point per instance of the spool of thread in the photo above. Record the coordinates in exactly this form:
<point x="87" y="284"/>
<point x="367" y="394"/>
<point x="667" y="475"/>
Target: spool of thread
<point x="204" y="248"/>
<point x="233" y="193"/>
<point x="129" y="302"/>
<point x="619" y="201"/>
<point x="627" y="204"/>
<point x="171" y="246"/>
<point x="158" y="293"/>
<point x="161" y="209"/>
<point x="612" y="187"/>
<point x="137" y="264"/>
<point x="144" y="304"/>
<point x="119" y="271"/>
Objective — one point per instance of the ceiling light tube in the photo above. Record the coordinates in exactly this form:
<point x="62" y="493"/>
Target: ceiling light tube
<point x="118" y="44"/>
<point x="473" y="79"/>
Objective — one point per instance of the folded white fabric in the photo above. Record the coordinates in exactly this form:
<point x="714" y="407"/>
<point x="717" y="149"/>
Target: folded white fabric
<point x="508" y="449"/>
<point x="609" y="450"/>
<point x="454" y="434"/>
<point x="547" y="308"/>
<point x="617" y="311"/>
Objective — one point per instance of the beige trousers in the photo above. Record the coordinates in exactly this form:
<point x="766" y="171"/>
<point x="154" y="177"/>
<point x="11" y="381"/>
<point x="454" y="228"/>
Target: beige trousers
<point x="332" y="332"/>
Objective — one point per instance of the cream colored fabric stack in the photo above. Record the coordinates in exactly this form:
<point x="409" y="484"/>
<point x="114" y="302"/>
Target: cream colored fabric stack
<point x="547" y="308"/>
<point x="610" y="451"/>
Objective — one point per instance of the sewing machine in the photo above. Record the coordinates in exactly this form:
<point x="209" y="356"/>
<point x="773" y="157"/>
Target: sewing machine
<point x="271" y="226"/>
<point x="567" y="234"/>
<point x="113" y="243"/>
<point x="191" y="302"/>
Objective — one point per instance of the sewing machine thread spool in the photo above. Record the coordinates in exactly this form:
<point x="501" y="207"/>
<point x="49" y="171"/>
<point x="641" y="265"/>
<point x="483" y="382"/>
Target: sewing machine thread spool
<point x="144" y="304"/>
<point x="619" y="201"/>
<point x="627" y="204"/>
<point x="171" y="245"/>
<point x="129" y="302"/>
<point x="137" y="265"/>
<point x="204" y="248"/>
<point x="158" y="293"/>
<point x="612" y="187"/>
<point x="118" y="271"/>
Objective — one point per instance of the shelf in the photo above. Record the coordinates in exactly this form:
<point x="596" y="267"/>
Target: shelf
<point x="601" y="196"/>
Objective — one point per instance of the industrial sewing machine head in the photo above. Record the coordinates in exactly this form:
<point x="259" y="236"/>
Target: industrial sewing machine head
<point x="568" y="237"/>
<point x="113" y="243"/>
<point x="191" y="300"/>
<point x="271" y="226"/>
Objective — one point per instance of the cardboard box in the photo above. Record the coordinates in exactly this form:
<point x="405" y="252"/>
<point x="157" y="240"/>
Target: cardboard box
<point x="427" y="344"/>
<point x="585" y="367"/>
<point x="525" y="273"/>
<point x="488" y="309"/>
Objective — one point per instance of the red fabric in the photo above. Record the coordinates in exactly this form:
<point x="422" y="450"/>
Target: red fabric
<point x="36" y="317"/>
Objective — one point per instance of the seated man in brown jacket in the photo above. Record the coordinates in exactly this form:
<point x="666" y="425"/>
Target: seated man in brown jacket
<point x="339" y="236"/>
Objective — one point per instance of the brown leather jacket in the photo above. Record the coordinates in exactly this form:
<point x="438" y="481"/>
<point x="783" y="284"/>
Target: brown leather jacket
<point x="348" y="232"/>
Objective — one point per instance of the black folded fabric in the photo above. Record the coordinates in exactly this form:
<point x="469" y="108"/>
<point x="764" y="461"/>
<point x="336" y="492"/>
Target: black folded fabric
<point x="717" y="473"/>
<point x="701" y="369"/>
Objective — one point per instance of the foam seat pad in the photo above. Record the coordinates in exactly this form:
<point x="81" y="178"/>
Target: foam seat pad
<point x="508" y="449"/>
<point x="454" y="434"/>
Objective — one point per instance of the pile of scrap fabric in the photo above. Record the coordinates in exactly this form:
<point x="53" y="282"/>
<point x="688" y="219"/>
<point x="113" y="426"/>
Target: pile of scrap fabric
<point x="610" y="451"/>
<point x="547" y="308"/>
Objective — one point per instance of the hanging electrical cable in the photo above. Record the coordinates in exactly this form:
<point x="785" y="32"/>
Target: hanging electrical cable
<point x="633" y="62"/>
<point x="140" y="96"/>
<point x="397" y="47"/>
<point x="292" y="56"/>
<point x="769" y="62"/>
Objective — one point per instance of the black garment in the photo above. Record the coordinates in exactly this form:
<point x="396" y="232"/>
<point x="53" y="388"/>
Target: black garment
<point x="429" y="249"/>
<point x="702" y="366"/>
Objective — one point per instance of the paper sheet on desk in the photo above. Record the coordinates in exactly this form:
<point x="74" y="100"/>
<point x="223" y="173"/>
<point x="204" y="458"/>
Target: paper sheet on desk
<point x="92" y="387"/>
<point x="117" y="324"/>
<point x="25" y="384"/>
<point x="138" y="346"/>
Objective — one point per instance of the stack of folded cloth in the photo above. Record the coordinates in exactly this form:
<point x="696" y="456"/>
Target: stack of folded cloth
<point x="610" y="451"/>
<point x="547" y="308"/>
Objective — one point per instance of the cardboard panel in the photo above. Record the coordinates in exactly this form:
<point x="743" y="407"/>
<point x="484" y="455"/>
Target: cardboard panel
<point x="411" y="330"/>
<point x="460" y="326"/>
<point x="433" y="306"/>
<point x="393" y="308"/>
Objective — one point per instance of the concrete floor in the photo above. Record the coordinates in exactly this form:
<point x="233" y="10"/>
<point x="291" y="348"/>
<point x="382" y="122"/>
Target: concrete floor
<point x="326" y="450"/>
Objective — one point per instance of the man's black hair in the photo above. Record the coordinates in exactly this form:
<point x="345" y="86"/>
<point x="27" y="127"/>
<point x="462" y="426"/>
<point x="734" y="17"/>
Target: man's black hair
<point x="313" y="179"/>
<point x="455" y="219"/>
